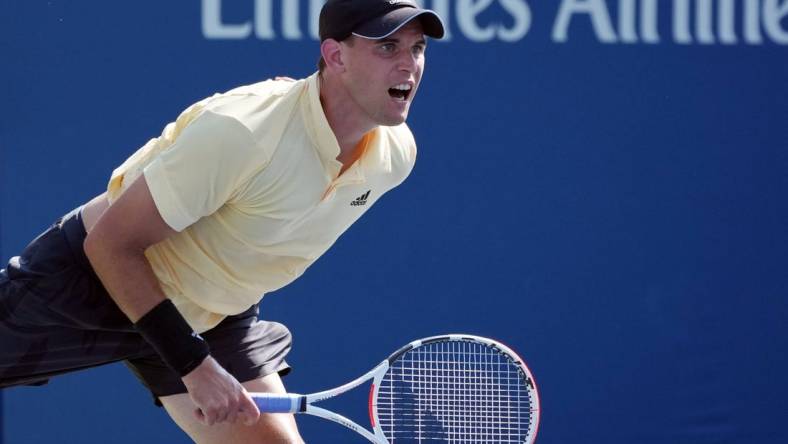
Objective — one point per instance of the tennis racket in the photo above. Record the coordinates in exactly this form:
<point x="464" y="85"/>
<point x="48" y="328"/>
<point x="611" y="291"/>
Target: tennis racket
<point x="442" y="389"/>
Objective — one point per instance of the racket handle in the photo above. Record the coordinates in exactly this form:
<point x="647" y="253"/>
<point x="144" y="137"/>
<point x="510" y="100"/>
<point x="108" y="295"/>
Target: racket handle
<point x="276" y="403"/>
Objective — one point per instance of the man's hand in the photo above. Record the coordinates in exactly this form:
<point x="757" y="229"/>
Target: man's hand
<point x="219" y="396"/>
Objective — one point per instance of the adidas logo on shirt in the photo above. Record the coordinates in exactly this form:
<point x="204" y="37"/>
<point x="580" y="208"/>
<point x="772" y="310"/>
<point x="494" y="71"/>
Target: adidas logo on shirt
<point x="361" y="200"/>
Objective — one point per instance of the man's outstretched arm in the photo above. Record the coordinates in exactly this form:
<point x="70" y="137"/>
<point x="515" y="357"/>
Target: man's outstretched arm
<point x="116" y="248"/>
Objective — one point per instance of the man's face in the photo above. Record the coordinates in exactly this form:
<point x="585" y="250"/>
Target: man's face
<point x="382" y="76"/>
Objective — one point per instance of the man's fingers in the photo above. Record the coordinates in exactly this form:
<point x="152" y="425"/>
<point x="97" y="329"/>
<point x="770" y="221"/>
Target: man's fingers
<point x="246" y="412"/>
<point x="223" y="416"/>
<point x="216" y="414"/>
<point x="204" y="416"/>
<point x="219" y="396"/>
<point x="232" y="416"/>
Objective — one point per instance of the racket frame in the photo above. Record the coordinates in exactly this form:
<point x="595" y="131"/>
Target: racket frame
<point x="296" y="403"/>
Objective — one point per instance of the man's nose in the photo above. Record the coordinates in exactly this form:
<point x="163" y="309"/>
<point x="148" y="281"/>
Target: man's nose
<point x="408" y="61"/>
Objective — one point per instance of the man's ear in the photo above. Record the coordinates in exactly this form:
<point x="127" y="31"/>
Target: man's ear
<point x="331" y="50"/>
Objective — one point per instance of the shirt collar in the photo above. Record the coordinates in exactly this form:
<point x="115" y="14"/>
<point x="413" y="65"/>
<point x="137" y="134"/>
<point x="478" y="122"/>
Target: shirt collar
<point x="376" y="155"/>
<point x="317" y="127"/>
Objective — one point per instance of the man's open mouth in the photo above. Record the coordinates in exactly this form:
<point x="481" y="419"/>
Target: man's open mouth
<point x="401" y="92"/>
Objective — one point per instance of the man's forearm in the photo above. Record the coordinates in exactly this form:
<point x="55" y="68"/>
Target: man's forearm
<point x="154" y="317"/>
<point x="126" y="274"/>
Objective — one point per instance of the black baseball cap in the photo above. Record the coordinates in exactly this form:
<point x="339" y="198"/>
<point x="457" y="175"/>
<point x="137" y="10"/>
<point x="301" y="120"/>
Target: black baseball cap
<point x="374" y="19"/>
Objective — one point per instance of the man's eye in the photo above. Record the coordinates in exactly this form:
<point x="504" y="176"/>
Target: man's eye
<point x="418" y="50"/>
<point x="388" y="47"/>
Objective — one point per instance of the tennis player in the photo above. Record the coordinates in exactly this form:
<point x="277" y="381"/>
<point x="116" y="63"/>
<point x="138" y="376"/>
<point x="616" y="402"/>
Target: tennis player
<point x="236" y="198"/>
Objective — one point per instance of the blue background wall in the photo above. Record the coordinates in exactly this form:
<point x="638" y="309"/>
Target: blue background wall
<point x="612" y="207"/>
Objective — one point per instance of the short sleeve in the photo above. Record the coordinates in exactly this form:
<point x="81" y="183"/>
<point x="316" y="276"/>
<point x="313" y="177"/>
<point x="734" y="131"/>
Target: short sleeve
<point x="202" y="169"/>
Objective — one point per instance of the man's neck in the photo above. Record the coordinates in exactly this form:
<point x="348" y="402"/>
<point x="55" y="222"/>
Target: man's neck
<point x="343" y="115"/>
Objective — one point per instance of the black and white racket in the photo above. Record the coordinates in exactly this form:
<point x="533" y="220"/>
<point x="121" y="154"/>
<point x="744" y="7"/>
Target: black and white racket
<point x="443" y="389"/>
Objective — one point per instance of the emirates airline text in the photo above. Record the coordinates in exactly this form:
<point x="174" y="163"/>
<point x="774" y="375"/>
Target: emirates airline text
<point x="706" y="22"/>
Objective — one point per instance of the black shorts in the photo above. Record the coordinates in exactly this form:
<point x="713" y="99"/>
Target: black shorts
<point x="56" y="317"/>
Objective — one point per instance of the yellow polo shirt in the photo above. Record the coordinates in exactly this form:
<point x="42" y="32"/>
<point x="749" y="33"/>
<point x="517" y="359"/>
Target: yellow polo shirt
<point x="250" y="181"/>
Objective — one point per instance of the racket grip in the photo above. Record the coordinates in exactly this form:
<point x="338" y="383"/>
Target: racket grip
<point x="276" y="403"/>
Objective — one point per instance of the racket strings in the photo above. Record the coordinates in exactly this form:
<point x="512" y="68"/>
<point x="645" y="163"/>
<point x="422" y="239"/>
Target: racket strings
<point x="456" y="392"/>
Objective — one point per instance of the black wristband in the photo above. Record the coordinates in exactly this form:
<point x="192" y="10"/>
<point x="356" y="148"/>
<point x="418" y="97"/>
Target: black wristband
<point x="173" y="339"/>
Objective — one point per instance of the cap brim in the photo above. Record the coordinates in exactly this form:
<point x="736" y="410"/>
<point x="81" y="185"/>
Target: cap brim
<point x="384" y="26"/>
